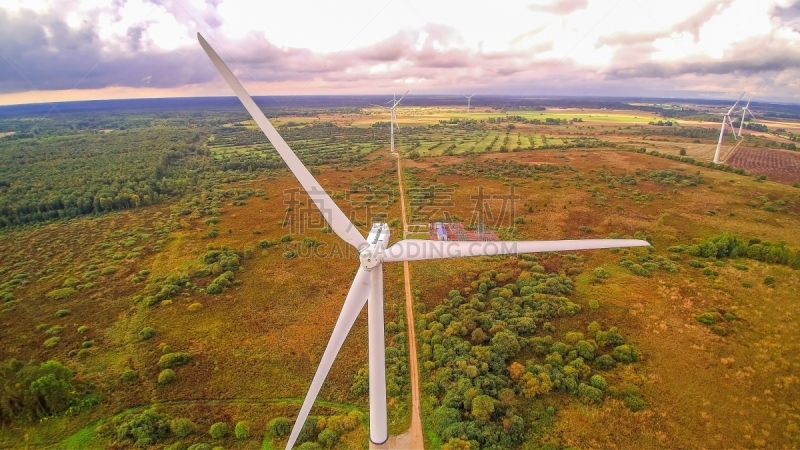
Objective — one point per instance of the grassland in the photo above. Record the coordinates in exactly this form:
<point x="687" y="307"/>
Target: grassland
<point x="254" y="345"/>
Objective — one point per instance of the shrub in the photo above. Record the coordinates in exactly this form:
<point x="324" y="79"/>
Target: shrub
<point x="605" y="362"/>
<point x="60" y="294"/>
<point x="62" y="313"/>
<point x="599" y="382"/>
<point x="171" y="360"/>
<point x="634" y="402"/>
<point x="166" y="376"/>
<point x="55" y="330"/>
<point x="87" y="344"/>
<point x="144" y="430"/>
<point x="147" y="333"/>
<point x="218" y="430"/>
<point x="309" y="430"/>
<point x="707" y="318"/>
<point x="309" y="446"/>
<point x="696" y="263"/>
<point x="589" y="394"/>
<point x="289" y="254"/>
<point x="82" y="329"/>
<point x="601" y="273"/>
<point x="626" y="353"/>
<point x="286" y="238"/>
<point x="328" y="438"/>
<point x="52" y="342"/>
<point x="109" y="270"/>
<point x="213" y="288"/>
<point x="129" y="375"/>
<point x="266" y="243"/>
<point x="200" y="446"/>
<point x="279" y="427"/>
<point x="242" y="430"/>
<point x="769" y="281"/>
<point x="182" y="427"/>
<point x="195" y="307"/>
<point x="594" y="305"/>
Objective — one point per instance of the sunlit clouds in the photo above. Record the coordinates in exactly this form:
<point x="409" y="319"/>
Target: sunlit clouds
<point x="89" y="49"/>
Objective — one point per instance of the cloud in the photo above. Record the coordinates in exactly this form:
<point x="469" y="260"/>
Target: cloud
<point x="691" y="25"/>
<point x="560" y="7"/>
<point x="751" y="57"/>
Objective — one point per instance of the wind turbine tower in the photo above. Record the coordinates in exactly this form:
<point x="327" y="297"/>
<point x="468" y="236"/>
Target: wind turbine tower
<point x="393" y="119"/>
<point x="726" y="117"/>
<point x="746" y="110"/>
<point x="469" y="98"/>
<point x="373" y="252"/>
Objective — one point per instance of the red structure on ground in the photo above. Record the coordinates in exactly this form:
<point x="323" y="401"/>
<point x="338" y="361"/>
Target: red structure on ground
<point x="445" y="231"/>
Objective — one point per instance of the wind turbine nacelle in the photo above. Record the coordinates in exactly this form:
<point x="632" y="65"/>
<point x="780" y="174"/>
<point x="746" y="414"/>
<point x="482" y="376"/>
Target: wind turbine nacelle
<point x="377" y="240"/>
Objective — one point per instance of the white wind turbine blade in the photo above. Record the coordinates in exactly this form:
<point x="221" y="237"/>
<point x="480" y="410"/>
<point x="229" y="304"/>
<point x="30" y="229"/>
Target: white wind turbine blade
<point x="401" y="99"/>
<point x="730" y="122"/>
<point x="338" y="222"/>
<point x="734" y="105"/>
<point x="751" y="114"/>
<point x="378" y="419"/>
<point x="353" y="304"/>
<point x="420" y="249"/>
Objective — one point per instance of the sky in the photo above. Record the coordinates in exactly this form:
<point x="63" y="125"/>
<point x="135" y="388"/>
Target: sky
<point x="67" y="50"/>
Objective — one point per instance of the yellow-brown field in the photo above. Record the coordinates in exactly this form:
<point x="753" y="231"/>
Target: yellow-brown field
<point x="255" y="347"/>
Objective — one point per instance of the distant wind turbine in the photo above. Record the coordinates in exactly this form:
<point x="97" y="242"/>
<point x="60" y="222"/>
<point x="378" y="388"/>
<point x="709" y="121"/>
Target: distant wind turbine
<point x="367" y="287"/>
<point x="746" y="110"/>
<point x="393" y="119"/>
<point x="726" y="117"/>
<point x="469" y="98"/>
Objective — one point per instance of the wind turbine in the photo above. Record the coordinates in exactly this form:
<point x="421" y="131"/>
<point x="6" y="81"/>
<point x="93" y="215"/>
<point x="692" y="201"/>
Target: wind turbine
<point x="367" y="287"/>
<point x="746" y="110"/>
<point x="469" y="98"/>
<point x="393" y="119"/>
<point x="726" y="116"/>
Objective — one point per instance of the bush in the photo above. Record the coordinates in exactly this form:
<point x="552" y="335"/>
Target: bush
<point x="109" y="270"/>
<point x="626" y="354"/>
<point x="309" y="431"/>
<point x="129" y="375"/>
<point x="171" y="360"/>
<point x="218" y="430"/>
<point x="589" y="394"/>
<point x="279" y="427"/>
<point x="200" y="446"/>
<point x="309" y="446"/>
<point x="166" y="376"/>
<point x="242" y="430"/>
<point x="213" y="288"/>
<point x="707" y="318"/>
<point x="769" y="281"/>
<point x="594" y="305"/>
<point x="52" y="342"/>
<point x="62" y="313"/>
<point x="328" y="438"/>
<point x="82" y="329"/>
<point x="60" y="294"/>
<point x="147" y="333"/>
<point x="601" y="273"/>
<point x="599" y="382"/>
<point x="182" y="427"/>
<point x="195" y="307"/>
<point x="144" y="430"/>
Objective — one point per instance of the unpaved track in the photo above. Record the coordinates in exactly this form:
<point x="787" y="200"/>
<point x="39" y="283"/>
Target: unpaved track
<point x="411" y="439"/>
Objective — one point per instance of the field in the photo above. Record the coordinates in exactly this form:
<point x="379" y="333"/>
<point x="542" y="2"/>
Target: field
<point x="182" y="281"/>
<point x="778" y="165"/>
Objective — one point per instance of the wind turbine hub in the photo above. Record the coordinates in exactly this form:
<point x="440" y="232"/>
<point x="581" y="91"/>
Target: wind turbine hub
<point x="370" y="258"/>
